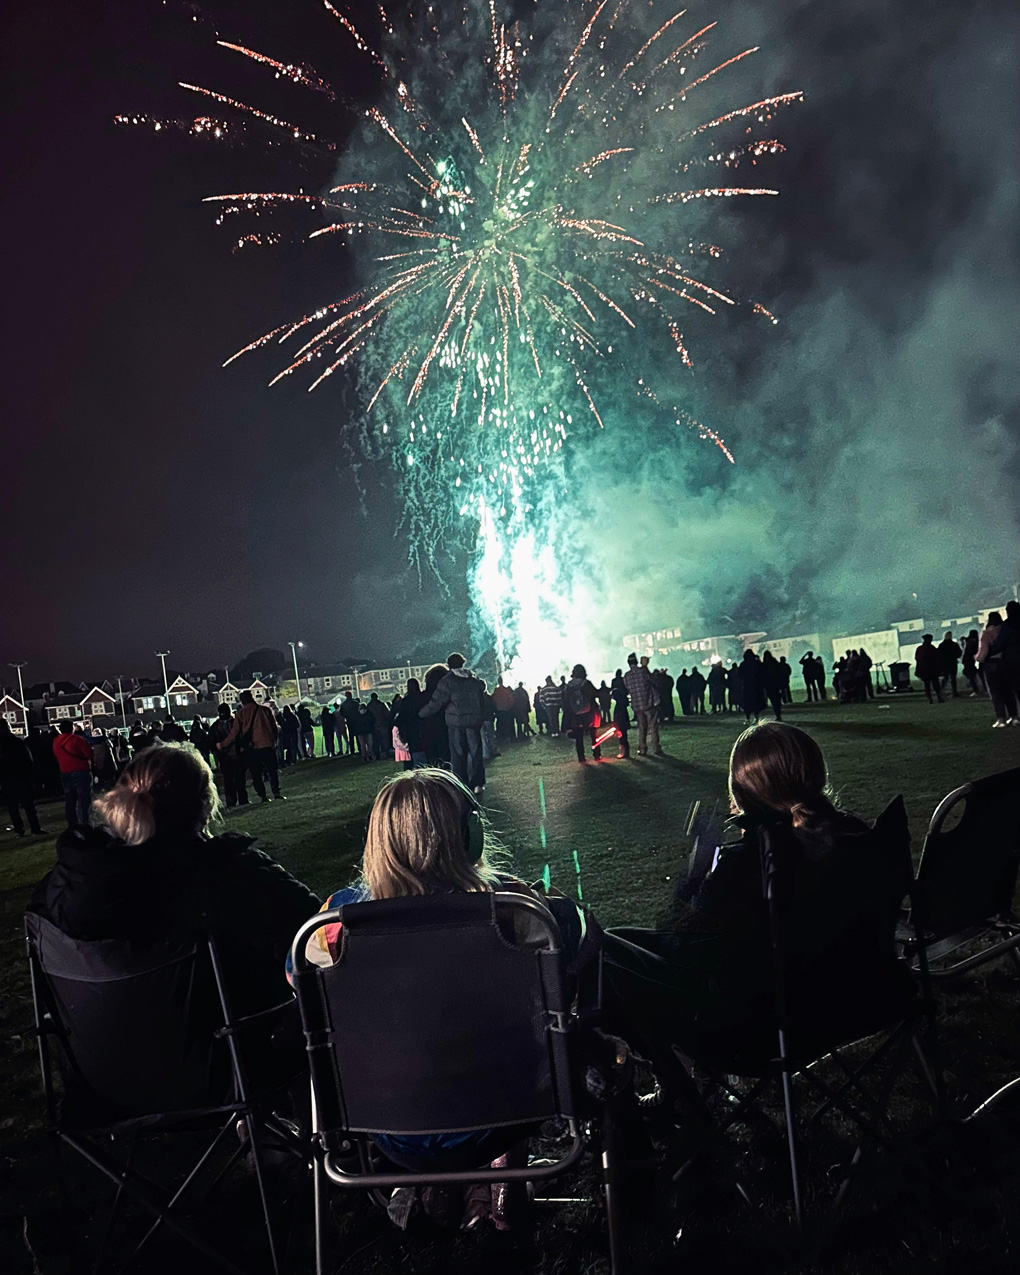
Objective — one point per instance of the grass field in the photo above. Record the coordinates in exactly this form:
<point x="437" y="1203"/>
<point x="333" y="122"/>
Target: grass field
<point x="611" y="832"/>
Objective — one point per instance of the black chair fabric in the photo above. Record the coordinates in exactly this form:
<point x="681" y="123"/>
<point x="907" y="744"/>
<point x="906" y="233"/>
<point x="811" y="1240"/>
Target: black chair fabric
<point x="410" y="1004"/>
<point x="137" y="1021"/>
<point x="967" y="874"/>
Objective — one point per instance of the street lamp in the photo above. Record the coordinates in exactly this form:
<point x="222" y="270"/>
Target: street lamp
<point x="120" y="693"/>
<point x="166" y="686"/>
<point x="293" y="655"/>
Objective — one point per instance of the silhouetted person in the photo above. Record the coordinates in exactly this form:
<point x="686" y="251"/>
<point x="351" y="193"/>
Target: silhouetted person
<point x="970" y="670"/>
<point x="381" y="740"/>
<point x="785" y="673"/>
<point x="255" y="730"/>
<point x="1007" y="645"/>
<point x="683" y="691"/>
<point x="16" y="766"/>
<point x="581" y="713"/>
<point x="644" y="700"/>
<point x="551" y="696"/>
<point x="408" y="721"/>
<point x="752" y="685"/>
<point x="605" y="699"/>
<point x="697" y="690"/>
<point x="460" y="698"/>
<point x="328" y="731"/>
<point x="435" y="736"/>
<point x="229" y="761"/>
<point x="503" y="698"/>
<point x="717" y="688"/>
<point x="807" y="664"/>
<point x="949" y="655"/>
<point x="522" y="711"/>
<point x="772" y="683"/>
<point x="928" y="667"/>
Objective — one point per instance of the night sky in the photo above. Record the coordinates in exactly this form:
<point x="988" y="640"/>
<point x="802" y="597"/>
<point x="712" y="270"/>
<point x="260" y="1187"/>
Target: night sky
<point x="153" y="500"/>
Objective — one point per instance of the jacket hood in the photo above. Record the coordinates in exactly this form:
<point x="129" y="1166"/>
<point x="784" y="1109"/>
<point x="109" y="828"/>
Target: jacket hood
<point x="461" y="672"/>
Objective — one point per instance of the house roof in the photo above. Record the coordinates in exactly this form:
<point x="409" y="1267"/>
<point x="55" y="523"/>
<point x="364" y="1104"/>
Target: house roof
<point x="182" y="684"/>
<point x="146" y="689"/>
<point x="39" y="689"/>
<point x="13" y="700"/>
<point x="59" y="701"/>
<point x="326" y="670"/>
<point x="90" y="694"/>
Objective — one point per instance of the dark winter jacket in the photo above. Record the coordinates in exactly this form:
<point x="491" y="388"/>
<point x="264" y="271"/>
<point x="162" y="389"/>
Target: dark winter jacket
<point x="15" y="761"/>
<point x="103" y="889"/>
<point x="1007" y="644"/>
<point x="408" y="722"/>
<point x="459" y="693"/>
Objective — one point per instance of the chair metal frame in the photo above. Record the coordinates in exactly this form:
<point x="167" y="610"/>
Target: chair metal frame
<point x="328" y="1143"/>
<point x="132" y="1186"/>
<point x="922" y="946"/>
<point x="847" y="1096"/>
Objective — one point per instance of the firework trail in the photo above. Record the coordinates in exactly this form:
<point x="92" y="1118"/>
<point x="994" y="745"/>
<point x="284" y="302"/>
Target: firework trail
<point x="514" y="203"/>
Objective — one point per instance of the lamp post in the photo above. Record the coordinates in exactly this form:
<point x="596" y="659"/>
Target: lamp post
<point x="166" y="686"/>
<point x="293" y="655"/>
<point x="120" y="695"/>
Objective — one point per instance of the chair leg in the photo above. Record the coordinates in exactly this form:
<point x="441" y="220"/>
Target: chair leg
<point x="791" y="1146"/>
<point x="611" y="1187"/>
<point x="254" y="1132"/>
<point x="321" y="1209"/>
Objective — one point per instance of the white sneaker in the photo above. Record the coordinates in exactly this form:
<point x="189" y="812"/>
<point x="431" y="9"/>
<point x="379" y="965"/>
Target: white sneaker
<point x="999" y="722"/>
<point x="1013" y="721"/>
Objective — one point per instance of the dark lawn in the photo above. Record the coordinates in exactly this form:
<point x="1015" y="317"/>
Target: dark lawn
<point x="613" y="830"/>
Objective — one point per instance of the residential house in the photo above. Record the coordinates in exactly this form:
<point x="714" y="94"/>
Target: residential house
<point x="228" y="693"/>
<point x="325" y="682"/>
<point x="182" y="695"/>
<point x="149" y="697"/>
<point x="84" y="708"/>
<point x="43" y="692"/>
<point x="15" y="714"/>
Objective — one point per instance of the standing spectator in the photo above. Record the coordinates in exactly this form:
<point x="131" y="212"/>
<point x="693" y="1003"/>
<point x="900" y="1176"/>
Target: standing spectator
<point x="820" y="678"/>
<point x="928" y="667"/>
<point x="644" y="700"/>
<point x="621" y="714"/>
<point x="348" y="710"/>
<point x="198" y="737"/>
<point x="752" y="685"/>
<point x="229" y="760"/>
<point x="74" y="757"/>
<point x="522" y="711"/>
<point x="807" y="664"/>
<point x="970" y="670"/>
<point x="381" y="729"/>
<point x="734" y="688"/>
<point x="717" y="688"/>
<point x="683" y="691"/>
<point x="949" y="657"/>
<point x="541" y="721"/>
<point x="408" y="722"/>
<point x="435" y="737"/>
<point x="139" y="738"/>
<point x="16" y="767"/>
<point x="121" y="752"/>
<point x="290" y="732"/>
<point x="328" y="731"/>
<point x="551" y="696"/>
<point x="503" y="698"/>
<point x="697" y="690"/>
<point x="772" y="683"/>
<point x="991" y="670"/>
<point x="307" y="735"/>
<point x="581" y="713"/>
<point x="459" y="697"/>
<point x="659" y="682"/>
<point x="867" y="664"/>
<point x="104" y="764"/>
<point x="1007" y="645"/>
<point x="490" y="749"/>
<point x="605" y="698"/>
<point x="255" y="729"/>
<point x="364" y="729"/>
<point x="785" y="673"/>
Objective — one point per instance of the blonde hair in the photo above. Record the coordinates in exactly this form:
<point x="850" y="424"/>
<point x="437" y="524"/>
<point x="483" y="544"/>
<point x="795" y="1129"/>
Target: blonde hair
<point x="775" y="767"/>
<point x="416" y="840"/>
<point x="168" y="788"/>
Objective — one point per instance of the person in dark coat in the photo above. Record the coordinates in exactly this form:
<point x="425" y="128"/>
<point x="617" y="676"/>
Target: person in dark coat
<point x="522" y="711"/>
<point x="820" y="678"/>
<point x="435" y="737"/>
<point x="621" y="714"/>
<point x="717" y="688"/>
<point x="364" y="731"/>
<point x="541" y="721"/>
<point x="381" y="731"/>
<point x="605" y="699"/>
<point x="581" y="712"/>
<point x="459" y="696"/>
<point x="1007" y="648"/>
<point x="785" y="673"/>
<point x="752" y="686"/>
<point x="409" y="723"/>
<point x="16" y="769"/>
<point x="772" y="683"/>
<point x="230" y="760"/>
<point x="928" y="668"/>
<point x="734" y="688"/>
<point x="970" y="670"/>
<point x="949" y="654"/>
<point x="328" y="731"/>
<point x="151" y="869"/>
<point x="683" y="692"/>
<point x="290" y="734"/>
<point x="306" y="734"/>
<point x="706" y="971"/>
<point x="198" y="738"/>
<point x="696" y="690"/>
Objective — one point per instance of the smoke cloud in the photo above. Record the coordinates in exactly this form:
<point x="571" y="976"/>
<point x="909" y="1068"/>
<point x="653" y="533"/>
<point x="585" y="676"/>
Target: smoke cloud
<point x="876" y="428"/>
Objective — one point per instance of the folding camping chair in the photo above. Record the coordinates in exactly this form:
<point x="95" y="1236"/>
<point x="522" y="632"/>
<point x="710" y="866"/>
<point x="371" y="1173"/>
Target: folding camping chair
<point x="435" y="1020"/>
<point x="966" y="881"/>
<point x="828" y="1000"/>
<point x="137" y="1039"/>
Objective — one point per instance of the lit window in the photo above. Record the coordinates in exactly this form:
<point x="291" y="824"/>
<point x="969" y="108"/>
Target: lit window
<point x="63" y="710"/>
<point x="10" y="717"/>
<point x="327" y="683"/>
<point x="183" y="700"/>
<point x="98" y="707"/>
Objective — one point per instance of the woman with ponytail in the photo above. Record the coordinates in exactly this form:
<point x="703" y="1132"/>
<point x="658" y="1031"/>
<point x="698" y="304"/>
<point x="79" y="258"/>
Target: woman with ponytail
<point x="152" y="866"/>
<point x="706" y="971"/>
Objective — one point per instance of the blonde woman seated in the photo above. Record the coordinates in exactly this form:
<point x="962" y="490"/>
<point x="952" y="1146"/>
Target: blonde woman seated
<point x="416" y="845"/>
<point x="706" y="974"/>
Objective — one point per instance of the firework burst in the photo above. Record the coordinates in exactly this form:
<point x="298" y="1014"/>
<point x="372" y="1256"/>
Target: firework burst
<point x="514" y="204"/>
